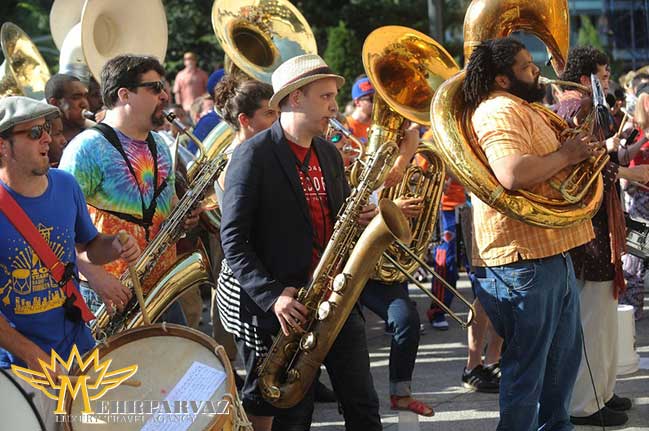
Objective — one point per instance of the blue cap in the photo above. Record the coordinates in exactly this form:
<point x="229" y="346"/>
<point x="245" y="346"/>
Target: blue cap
<point x="362" y="87"/>
<point x="214" y="79"/>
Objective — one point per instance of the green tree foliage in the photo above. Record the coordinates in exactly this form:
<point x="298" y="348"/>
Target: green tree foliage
<point x="588" y="34"/>
<point x="343" y="55"/>
<point x="190" y="29"/>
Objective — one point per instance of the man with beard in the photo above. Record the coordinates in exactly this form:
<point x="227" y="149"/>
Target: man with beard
<point x="70" y="95"/>
<point x="526" y="281"/>
<point x="125" y="171"/>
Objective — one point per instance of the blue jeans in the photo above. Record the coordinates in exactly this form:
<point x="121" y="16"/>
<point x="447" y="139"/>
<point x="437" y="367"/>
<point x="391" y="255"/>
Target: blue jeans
<point x="534" y="306"/>
<point x="392" y="303"/>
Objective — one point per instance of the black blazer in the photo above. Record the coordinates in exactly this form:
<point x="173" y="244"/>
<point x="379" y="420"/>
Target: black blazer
<point x="266" y="229"/>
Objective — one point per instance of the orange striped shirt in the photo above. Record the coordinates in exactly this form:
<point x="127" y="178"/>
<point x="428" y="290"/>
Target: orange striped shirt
<point x="507" y="125"/>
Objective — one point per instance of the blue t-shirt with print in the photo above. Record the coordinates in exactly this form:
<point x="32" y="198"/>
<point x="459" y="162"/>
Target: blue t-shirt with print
<point x="30" y="299"/>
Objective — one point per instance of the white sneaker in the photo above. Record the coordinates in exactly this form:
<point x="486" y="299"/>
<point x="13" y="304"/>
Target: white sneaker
<point x="440" y="326"/>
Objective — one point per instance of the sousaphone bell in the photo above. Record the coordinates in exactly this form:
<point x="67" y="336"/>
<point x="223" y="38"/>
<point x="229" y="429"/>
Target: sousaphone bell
<point x="24" y="71"/>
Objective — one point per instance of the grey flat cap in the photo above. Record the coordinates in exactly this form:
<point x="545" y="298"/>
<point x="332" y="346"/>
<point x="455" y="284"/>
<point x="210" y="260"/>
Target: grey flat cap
<point x="18" y="109"/>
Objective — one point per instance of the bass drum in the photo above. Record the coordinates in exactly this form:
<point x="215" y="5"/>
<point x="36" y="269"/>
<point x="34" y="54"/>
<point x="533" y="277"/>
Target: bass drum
<point x="16" y="408"/>
<point x="165" y="354"/>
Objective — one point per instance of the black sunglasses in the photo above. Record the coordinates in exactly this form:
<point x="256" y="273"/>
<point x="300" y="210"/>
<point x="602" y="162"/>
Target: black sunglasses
<point x="156" y="86"/>
<point x="35" y="132"/>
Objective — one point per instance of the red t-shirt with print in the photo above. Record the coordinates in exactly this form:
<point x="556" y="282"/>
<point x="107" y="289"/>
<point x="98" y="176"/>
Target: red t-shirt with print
<point x="315" y="192"/>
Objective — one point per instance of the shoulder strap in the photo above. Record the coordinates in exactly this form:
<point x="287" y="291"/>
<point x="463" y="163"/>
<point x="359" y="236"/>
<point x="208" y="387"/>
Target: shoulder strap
<point x="26" y="228"/>
<point x="147" y="211"/>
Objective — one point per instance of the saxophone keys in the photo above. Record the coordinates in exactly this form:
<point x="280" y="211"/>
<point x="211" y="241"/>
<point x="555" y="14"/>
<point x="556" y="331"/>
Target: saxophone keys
<point x="292" y="375"/>
<point x="339" y="282"/>
<point x="308" y="341"/>
<point x="324" y="309"/>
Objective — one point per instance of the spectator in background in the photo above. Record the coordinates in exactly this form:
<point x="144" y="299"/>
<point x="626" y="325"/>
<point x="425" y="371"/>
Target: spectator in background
<point x="208" y="121"/>
<point x="360" y="119"/>
<point x="190" y="82"/>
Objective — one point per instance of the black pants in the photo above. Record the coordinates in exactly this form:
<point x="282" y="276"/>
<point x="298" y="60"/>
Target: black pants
<point x="348" y="366"/>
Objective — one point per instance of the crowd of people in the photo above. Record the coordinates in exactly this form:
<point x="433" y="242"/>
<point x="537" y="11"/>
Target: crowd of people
<point x="544" y="299"/>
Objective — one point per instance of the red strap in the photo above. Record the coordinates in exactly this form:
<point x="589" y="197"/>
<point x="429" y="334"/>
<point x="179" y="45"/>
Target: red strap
<point x="26" y="228"/>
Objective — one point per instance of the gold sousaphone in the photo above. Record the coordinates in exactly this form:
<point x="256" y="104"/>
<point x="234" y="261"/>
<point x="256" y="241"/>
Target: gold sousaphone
<point x="406" y="67"/>
<point x="24" y="72"/>
<point x="451" y="120"/>
<point x="259" y="35"/>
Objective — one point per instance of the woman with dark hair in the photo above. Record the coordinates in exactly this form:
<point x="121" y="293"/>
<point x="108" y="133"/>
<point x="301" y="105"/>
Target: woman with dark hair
<point x="243" y="104"/>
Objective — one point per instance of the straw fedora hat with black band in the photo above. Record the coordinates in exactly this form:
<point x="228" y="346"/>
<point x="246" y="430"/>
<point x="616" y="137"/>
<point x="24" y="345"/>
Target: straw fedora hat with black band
<point x="297" y="72"/>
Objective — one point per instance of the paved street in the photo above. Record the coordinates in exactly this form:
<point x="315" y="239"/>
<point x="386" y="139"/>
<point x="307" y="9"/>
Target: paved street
<point x="441" y="358"/>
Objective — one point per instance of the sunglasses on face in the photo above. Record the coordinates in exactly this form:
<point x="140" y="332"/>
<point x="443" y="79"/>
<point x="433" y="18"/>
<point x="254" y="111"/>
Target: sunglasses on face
<point x="35" y="132"/>
<point x="367" y="99"/>
<point x="336" y="137"/>
<point x="156" y="86"/>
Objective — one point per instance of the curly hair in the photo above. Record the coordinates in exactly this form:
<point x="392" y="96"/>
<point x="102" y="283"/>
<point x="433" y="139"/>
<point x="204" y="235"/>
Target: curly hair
<point x="582" y="61"/>
<point x="489" y="59"/>
<point x="236" y="95"/>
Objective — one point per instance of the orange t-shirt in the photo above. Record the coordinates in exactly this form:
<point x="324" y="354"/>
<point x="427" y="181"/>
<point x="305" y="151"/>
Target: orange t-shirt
<point x="453" y="196"/>
<point x="358" y="129"/>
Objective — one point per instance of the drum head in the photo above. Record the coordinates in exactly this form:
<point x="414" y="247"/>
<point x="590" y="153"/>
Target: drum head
<point x="163" y="358"/>
<point x="16" y="408"/>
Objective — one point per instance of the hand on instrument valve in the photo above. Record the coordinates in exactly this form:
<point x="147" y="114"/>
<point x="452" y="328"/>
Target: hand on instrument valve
<point x="290" y="312"/>
<point x="191" y="221"/>
<point x="367" y="214"/>
<point x="411" y="207"/>
<point x="111" y="291"/>
<point x="407" y="150"/>
<point x="578" y="148"/>
<point x="127" y="249"/>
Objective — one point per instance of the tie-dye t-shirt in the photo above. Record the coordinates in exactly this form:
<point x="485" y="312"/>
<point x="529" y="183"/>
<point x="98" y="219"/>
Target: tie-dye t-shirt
<point x="109" y="185"/>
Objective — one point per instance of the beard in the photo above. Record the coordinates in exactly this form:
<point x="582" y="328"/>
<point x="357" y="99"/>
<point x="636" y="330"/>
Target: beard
<point x="531" y="93"/>
<point x="157" y="119"/>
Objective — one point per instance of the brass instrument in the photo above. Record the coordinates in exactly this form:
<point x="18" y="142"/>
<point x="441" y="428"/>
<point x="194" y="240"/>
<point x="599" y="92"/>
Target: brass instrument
<point x="24" y="72"/>
<point x="405" y="68"/>
<point x="259" y="35"/>
<point x="203" y="172"/>
<point x="354" y="148"/>
<point x="91" y="32"/>
<point x="451" y="120"/>
<point x="293" y="361"/>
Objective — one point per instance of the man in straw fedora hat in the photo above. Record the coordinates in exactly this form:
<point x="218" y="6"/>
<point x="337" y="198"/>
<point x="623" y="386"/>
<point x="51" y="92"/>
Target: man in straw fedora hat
<point x="283" y="189"/>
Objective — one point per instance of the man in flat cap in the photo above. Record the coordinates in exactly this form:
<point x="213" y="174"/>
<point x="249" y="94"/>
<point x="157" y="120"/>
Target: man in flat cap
<point x="283" y="189"/>
<point x="41" y="310"/>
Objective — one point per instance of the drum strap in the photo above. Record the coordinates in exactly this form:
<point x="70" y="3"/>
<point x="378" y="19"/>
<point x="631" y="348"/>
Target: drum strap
<point x="63" y="274"/>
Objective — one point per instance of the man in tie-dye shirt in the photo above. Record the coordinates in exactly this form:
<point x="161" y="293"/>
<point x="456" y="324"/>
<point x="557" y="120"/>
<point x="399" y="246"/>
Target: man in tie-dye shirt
<point x="129" y="186"/>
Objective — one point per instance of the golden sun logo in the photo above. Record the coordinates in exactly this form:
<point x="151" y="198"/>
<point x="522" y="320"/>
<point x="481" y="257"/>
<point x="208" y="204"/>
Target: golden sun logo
<point x="90" y="391"/>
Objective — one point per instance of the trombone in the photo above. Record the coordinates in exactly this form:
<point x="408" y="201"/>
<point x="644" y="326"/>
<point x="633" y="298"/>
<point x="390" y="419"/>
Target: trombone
<point x="335" y="124"/>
